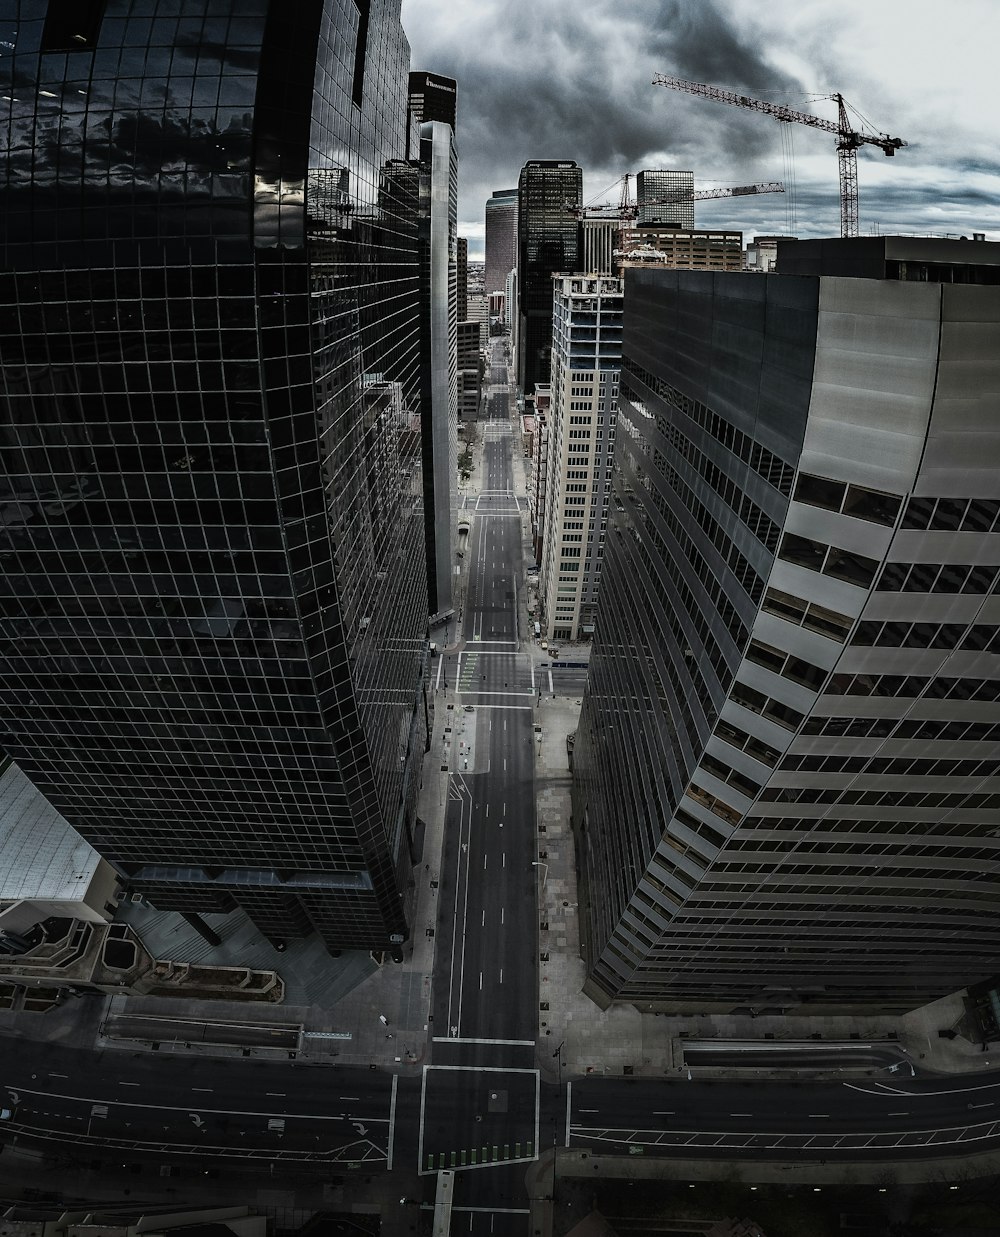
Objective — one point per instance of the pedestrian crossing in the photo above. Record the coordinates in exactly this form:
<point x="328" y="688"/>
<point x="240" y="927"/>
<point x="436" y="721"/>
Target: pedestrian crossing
<point x="479" y="1157"/>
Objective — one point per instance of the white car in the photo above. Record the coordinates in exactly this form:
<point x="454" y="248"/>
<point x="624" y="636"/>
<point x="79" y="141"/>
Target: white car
<point x="6" y="1114"/>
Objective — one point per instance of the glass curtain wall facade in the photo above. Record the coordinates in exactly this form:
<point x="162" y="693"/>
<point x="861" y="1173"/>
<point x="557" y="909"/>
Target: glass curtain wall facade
<point x="651" y="185"/>
<point x="439" y="356"/>
<point x="548" y="239"/>
<point x="501" y="238"/>
<point x="786" y="775"/>
<point x="213" y="604"/>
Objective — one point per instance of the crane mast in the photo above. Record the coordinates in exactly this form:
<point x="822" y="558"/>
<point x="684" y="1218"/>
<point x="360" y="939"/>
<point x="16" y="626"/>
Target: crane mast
<point x="849" y="139"/>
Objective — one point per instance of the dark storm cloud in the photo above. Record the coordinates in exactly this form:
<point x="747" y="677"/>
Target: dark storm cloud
<point x="562" y="81"/>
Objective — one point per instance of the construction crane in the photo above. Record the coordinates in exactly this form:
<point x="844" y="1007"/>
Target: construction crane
<point x="625" y="208"/>
<point x="849" y="139"/>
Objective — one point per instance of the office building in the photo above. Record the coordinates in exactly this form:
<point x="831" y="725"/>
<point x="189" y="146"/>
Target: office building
<point x="213" y="604"/>
<point x="586" y="362"/>
<point x="439" y="356"/>
<point x="600" y="237"/>
<point x="510" y="310"/>
<point x="665" y="197"/>
<point x="786" y="770"/>
<point x="501" y="238"/>
<point x="700" y="249"/>
<point x="477" y="310"/>
<point x="462" y="271"/>
<point x="433" y="97"/>
<point x="469" y="370"/>
<point x="538" y="406"/>
<point x="548" y="238"/>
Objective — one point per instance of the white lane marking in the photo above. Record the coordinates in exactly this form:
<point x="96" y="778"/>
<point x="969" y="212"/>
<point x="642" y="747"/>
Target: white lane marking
<point x="501" y="914"/>
<point x="889" y="1092"/>
<point x="51" y="1075"/>
<point x="208" y="1089"/>
<point x="501" y="974"/>
<point x="812" y="1114"/>
<point x="128" y="1084"/>
<point x="484" y="862"/>
<point x="503" y="862"/>
<point x="569" y="1101"/>
<point x="185" y="1108"/>
<point x="437" y="681"/>
<point x="511" y="1043"/>
<point x="480" y="981"/>
<point x="392" y="1123"/>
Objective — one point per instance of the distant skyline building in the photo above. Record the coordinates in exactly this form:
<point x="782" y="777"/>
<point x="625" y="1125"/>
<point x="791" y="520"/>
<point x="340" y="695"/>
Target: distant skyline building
<point x="786" y="772"/>
<point x="586" y="363"/>
<point x="548" y="238"/>
<point x="213" y="608"/>
<point x="652" y="185"/>
<point x="439" y="356"/>
<point x="501" y="238"/>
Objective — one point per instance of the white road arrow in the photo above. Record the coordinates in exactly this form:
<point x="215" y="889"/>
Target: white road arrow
<point x="15" y="1096"/>
<point x="196" y="1119"/>
<point x="359" y="1127"/>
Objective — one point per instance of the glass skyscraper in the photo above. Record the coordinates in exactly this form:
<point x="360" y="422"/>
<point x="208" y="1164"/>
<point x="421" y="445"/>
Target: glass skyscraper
<point x="213" y="601"/>
<point x="665" y="196"/>
<point x="786" y="773"/>
<point x="548" y="240"/>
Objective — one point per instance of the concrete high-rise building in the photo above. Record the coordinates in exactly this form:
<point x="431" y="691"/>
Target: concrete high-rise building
<point x="462" y="271"/>
<point x="501" y="238"/>
<point x="548" y="240"/>
<point x="586" y="362"/>
<point x="213" y="607"/>
<point x="786" y="770"/>
<point x="678" y="187"/>
<point x="439" y="356"/>
<point x="600" y="238"/>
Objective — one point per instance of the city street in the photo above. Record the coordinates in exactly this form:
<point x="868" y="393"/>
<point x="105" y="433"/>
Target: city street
<point x="480" y="1104"/>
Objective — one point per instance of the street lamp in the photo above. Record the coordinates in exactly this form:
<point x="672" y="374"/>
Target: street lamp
<point x="537" y="863"/>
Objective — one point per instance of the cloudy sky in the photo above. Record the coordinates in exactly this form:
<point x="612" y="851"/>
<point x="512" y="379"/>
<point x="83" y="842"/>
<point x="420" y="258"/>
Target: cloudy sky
<point x="570" y="79"/>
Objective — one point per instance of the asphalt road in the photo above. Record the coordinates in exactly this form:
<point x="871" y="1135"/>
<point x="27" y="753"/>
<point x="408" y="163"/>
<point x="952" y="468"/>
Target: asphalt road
<point x="480" y="1098"/>
<point x="215" y="1107"/>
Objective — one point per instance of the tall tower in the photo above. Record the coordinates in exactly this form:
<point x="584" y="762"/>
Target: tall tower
<point x="586" y="363"/>
<point x="213" y="604"/>
<point x="652" y="184"/>
<point x="548" y="239"/>
<point x="439" y="355"/>
<point x="501" y="238"/>
<point x="786" y="770"/>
